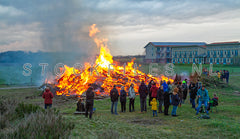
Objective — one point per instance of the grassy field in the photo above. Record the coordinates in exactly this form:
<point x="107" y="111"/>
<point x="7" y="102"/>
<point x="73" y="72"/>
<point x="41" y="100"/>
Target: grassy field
<point x="223" y="124"/>
<point x="187" y="68"/>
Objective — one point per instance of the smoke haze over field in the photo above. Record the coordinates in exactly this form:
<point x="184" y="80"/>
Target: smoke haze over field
<point x="63" y="25"/>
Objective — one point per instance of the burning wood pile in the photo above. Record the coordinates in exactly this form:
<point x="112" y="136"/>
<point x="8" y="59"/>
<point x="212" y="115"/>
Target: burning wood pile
<point x="102" y="75"/>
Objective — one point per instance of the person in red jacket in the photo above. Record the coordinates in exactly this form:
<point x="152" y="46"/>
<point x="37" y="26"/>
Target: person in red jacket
<point x="48" y="96"/>
<point x="154" y="90"/>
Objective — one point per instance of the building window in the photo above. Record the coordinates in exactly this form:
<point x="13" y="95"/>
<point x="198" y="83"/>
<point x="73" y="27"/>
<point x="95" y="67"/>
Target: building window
<point x="236" y="52"/>
<point x="228" y="53"/>
<point x="224" y="61"/>
<point x="221" y="53"/>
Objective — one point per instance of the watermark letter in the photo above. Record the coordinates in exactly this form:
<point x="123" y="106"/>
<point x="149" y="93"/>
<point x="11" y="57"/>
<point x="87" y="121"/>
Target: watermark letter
<point x="211" y="71"/>
<point x="153" y="69"/>
<point x="78" y="67"/>
<point x="109" y="68"/>
<point x="59" y="69"/>
<point x="94" y="68"/>
<point x="27" y="69"/>
<point x="169" y="69"/>
<point x="43" y="65"/>
<point x="196" y="69"/>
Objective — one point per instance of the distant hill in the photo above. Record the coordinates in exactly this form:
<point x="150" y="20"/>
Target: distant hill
<point x="20" y="57"/>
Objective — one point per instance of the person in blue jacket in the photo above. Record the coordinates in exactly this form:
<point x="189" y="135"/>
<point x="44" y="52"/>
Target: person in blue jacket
<point x="165" y="86"/>
<point x="203" y="98"/>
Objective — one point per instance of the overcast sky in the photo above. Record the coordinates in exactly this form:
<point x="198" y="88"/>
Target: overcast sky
<point x="62" y="25"/>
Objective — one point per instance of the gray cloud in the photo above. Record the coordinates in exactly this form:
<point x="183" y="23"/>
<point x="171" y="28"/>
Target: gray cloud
<point x="10" y="11"/>
<point x="64" y="24"/>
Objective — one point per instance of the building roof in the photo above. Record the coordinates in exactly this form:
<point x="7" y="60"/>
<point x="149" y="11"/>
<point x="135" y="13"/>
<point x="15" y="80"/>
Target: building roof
<point x="170" y="44"/>
<point x="183" y="46"/>
<point x="224" y="43"/>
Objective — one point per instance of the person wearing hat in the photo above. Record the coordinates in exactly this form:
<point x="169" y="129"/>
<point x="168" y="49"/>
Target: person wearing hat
<point x="185" y="90"/>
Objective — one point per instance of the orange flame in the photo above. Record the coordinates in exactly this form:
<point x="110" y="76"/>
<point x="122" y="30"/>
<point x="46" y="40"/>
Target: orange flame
<point x="93" y="30"/>
<point x="104" y="73"/>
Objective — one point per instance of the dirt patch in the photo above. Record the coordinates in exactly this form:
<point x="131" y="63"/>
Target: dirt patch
<point x="31" y="97"/>
<point x="153" y="121"/>
<point x="237" y="93"/>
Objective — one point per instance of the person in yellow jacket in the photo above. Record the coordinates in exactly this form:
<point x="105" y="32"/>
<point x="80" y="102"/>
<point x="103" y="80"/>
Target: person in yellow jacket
<point x="219" y="75"/>
<point x="154" y="106"/>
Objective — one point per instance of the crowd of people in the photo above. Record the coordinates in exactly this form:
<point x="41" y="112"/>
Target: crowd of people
<point x="166" y="94"/>
<point x="222" y="75"/>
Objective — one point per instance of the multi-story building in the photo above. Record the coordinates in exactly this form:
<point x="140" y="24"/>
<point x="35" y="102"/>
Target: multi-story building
<point x="188" y="54"/>
<point x="192" y="52"/>
<point x="161" y="52"/>
<point x="222" y="53"/>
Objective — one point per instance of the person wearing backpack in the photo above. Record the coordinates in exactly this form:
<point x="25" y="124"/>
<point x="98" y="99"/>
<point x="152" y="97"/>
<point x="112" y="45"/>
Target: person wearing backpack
<point x="203" y="98"/>
<point x="114" y="99"/>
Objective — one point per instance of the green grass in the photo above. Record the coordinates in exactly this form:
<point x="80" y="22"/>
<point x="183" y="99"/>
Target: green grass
<point x="223" y="124"/>
<point x="179" y="68"/>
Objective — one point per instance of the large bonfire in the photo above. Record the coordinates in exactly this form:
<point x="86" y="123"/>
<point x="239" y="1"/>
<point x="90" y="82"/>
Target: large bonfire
<point x="104" y="73"/>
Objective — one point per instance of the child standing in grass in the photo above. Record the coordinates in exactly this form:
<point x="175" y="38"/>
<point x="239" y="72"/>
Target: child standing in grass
<point x="175" y="101"/>
<point x="154" y="106"/>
